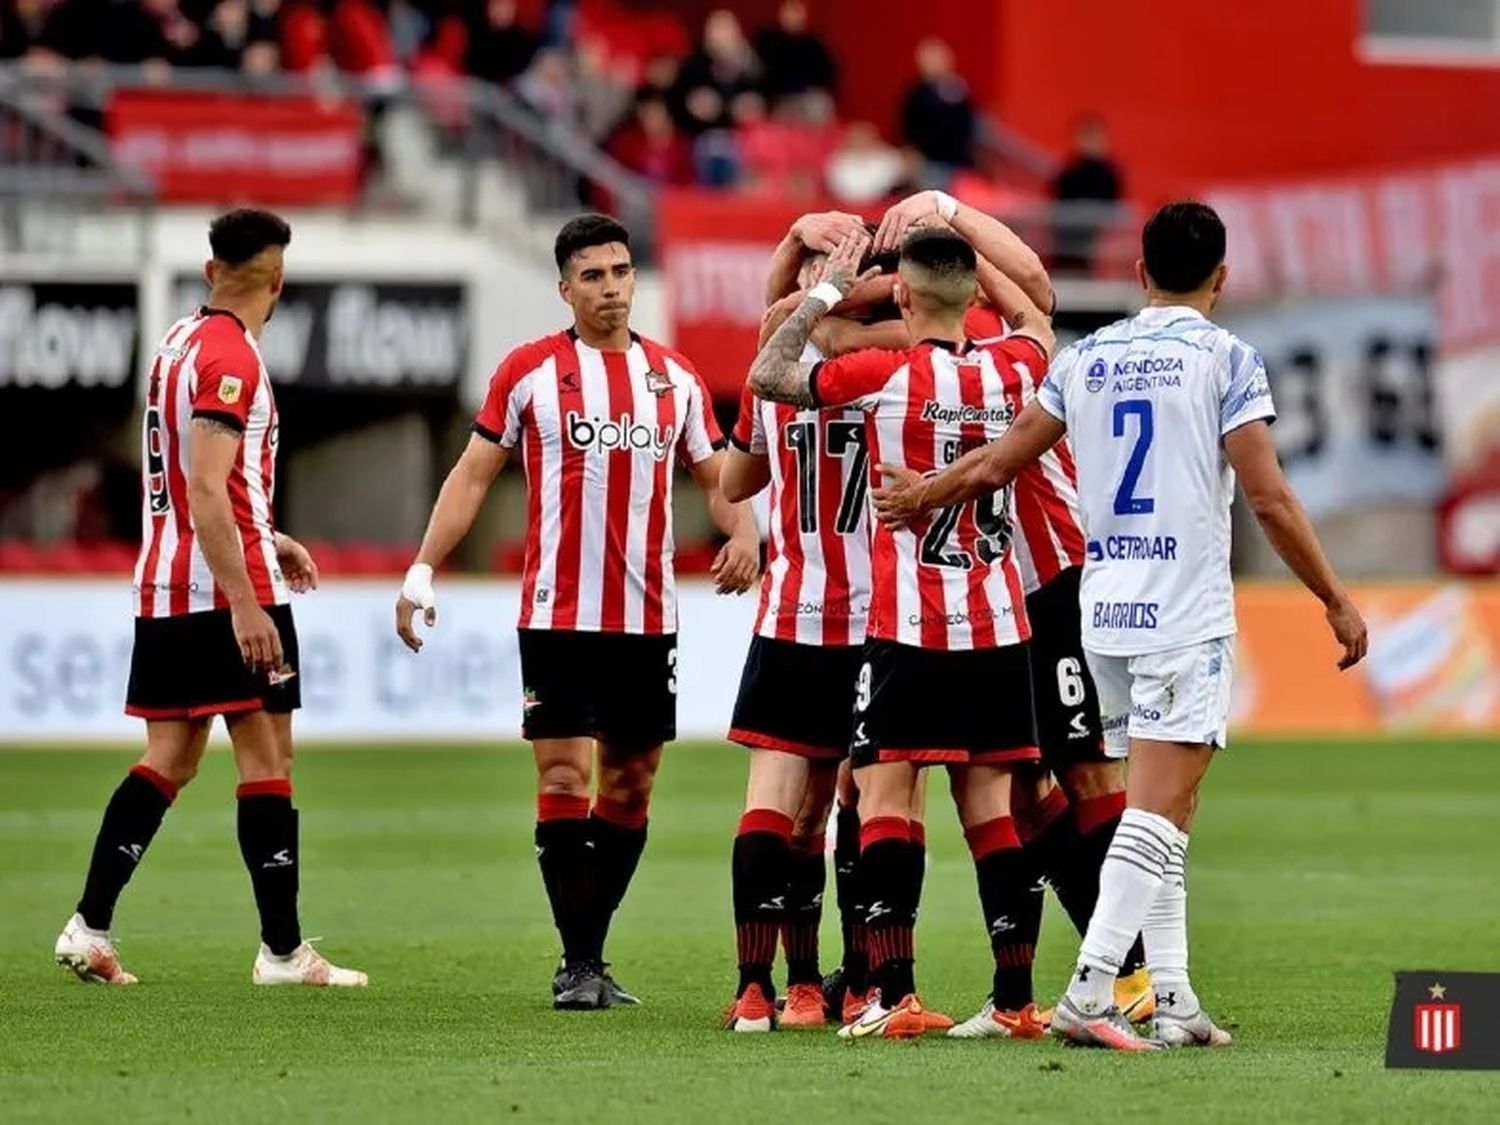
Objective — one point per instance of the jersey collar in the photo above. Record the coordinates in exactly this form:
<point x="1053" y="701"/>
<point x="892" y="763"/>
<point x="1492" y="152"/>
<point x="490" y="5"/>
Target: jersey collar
<point x="1161" y="314"/>
<point x="949" y="345"/>
<point x="208" y="310"/>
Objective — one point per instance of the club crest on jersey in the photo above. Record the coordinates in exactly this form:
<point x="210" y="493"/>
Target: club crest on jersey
<point x="1098" y="372"/>
<point x="229" y="390"/>
<point x="624" y="434"/>
<point x="659" y="383"/>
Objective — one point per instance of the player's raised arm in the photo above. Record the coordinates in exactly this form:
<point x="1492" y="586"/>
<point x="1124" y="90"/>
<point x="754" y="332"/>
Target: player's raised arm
<point x="212" y="451"/>
<point x="778" y="374"/>
<point x="991" y="239"/>
<point x="1281" y="516"/>
<point x="1013" y="304"/>
<point x="907" y="495"/>
<point x="463" y="491"/>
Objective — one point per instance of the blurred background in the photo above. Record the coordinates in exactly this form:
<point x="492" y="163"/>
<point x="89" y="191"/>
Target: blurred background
<point x="426" y="152"/>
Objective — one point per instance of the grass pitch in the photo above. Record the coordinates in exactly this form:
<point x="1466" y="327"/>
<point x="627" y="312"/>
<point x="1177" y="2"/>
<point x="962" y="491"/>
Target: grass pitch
<point x="1316" y="870"/>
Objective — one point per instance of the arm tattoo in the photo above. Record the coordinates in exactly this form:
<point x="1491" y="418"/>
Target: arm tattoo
<point x="214" y="426"/>
<point x="778" y="373"/>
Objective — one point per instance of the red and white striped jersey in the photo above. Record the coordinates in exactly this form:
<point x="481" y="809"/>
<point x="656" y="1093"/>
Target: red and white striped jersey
<point x="951" y="582"/>
<point x="816" y="586"/>
<point x="1046" y="491"/>
<point x="598" y="432"/>
<point x="207" y="366"/>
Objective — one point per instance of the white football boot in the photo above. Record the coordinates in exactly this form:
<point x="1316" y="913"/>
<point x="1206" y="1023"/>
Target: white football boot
<point x="91" y="954"/>
<point x="304" y="965"/>
<point x="1195" y="1030"/>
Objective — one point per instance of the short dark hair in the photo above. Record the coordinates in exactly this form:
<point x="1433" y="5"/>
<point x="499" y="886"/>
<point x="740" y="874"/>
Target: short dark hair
<point x="238" y="236"/>
<point x="941" y="251"/>
<point x="1182" y="245"/>
<point x="585" y="231"/>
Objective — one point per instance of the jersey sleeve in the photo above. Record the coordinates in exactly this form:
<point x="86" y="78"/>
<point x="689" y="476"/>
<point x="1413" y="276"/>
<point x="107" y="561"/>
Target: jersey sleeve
<point x="500" y="418"/>
<point x="749" y="436"/>
<point x="228" y="377"/>
<point x="854" y="379"/>
<point x="1248" y="396"/>
<point x="1050" y="393"/>
<point x="700" y="437"/>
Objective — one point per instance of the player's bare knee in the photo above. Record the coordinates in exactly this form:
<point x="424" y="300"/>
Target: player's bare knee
<point x="563" y="779"/>
<point x="257" y="755"/>
<point x="1086" y="781"/>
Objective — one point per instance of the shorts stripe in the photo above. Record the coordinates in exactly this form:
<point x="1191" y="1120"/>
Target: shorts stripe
<point x="758" y="741"/>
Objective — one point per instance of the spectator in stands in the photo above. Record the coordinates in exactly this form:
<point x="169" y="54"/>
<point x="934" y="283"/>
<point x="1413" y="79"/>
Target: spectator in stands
<point x="794" y="60"/>
<point x="237" y="35"/>
<point x="500" y="48"/>
<point x="724" y="66"/>
<point x="937" y="115"/>
<point x="151" y="31"/>
<point x="1089" y="177"/>
<point x="548" y="88"/>
<point x="603" y="89"/>
<point x="28" y="29"/>
<point x="652" y="146"/>
<point x="865" y="169"/>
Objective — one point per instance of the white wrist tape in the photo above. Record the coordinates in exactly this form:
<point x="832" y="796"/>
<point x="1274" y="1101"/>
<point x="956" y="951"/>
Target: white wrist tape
<point x="827" y="292"/>
<point x="945" y="205"/>
<point x="417" y="587"/>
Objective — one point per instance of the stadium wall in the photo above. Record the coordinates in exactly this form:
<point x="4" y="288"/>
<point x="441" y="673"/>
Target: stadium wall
<point x="65" y="651"/>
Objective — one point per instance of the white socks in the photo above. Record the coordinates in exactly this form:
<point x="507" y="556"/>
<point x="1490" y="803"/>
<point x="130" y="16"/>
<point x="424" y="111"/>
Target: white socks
<point x="1143" y="847"/>
<point x="1165" y="936"/>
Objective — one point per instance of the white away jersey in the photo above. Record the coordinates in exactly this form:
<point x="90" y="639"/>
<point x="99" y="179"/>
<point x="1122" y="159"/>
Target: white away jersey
<point x="1147" y="402"/>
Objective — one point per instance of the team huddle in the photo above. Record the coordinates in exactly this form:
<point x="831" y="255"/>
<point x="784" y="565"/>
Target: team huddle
<point x="979" y="556"/>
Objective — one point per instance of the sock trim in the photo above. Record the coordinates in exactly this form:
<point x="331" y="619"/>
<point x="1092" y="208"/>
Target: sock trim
<point x="1040" y="817"/>
<point x="919" y="833"/>
<point x="270" y="787"/>
<point x="163" y="786"/>
<point x="1096" y="811"/>
<point x="766" y="820"/>
<point x="879" y="828"/>
<point x="992" y="836"/>
<point x="621" y="815"/>
<point x="559" y="806"/>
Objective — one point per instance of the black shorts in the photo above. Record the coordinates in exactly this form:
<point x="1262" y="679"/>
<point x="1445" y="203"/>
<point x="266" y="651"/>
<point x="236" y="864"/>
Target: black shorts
<point x="190" y="667"/>
<point x="1067" y="703"/>
<point x="620" y="688"/>
<point x="925" y="705"/>
<point x="797" y="698"/>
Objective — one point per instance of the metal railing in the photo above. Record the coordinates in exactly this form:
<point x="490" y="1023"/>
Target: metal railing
<point x="474" y="124"/>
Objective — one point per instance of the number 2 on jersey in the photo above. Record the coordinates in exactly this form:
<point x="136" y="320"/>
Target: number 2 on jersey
<point x="845" y="440"/>
<point x="1127" y="503"/>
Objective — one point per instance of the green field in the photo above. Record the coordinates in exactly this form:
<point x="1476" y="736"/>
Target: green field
<point x="1316" y="870"/>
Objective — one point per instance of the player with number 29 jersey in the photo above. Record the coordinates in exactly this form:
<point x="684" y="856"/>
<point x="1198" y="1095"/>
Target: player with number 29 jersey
<point x="1157" y="511"/>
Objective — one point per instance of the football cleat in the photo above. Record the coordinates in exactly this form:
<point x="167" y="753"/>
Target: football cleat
<point x="752" y="1011"/>
<point x="1135" y="997"/>
<point x="1107" y="1029"/>
<point x="991" y="1023"/>
<point x="907" y="1020"/>
<point x="833" y="992"/>
<point x="616" y="994"/>
<point x="304" y="965"/>
<point x="855" y="1003"/>
<point x="1195" y="1030"/>
<point x="90" y="954"/>
<point x="804" y="1007"/>
<point x="580" y="987"/>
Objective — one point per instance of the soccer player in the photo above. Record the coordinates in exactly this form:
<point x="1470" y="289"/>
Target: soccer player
<point x="796" y="697"/>
<point x="1164" y="409"/>
<point x="947" y="624"/>
<point x="213" y="630"/>
<point x="599" y="415"/>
